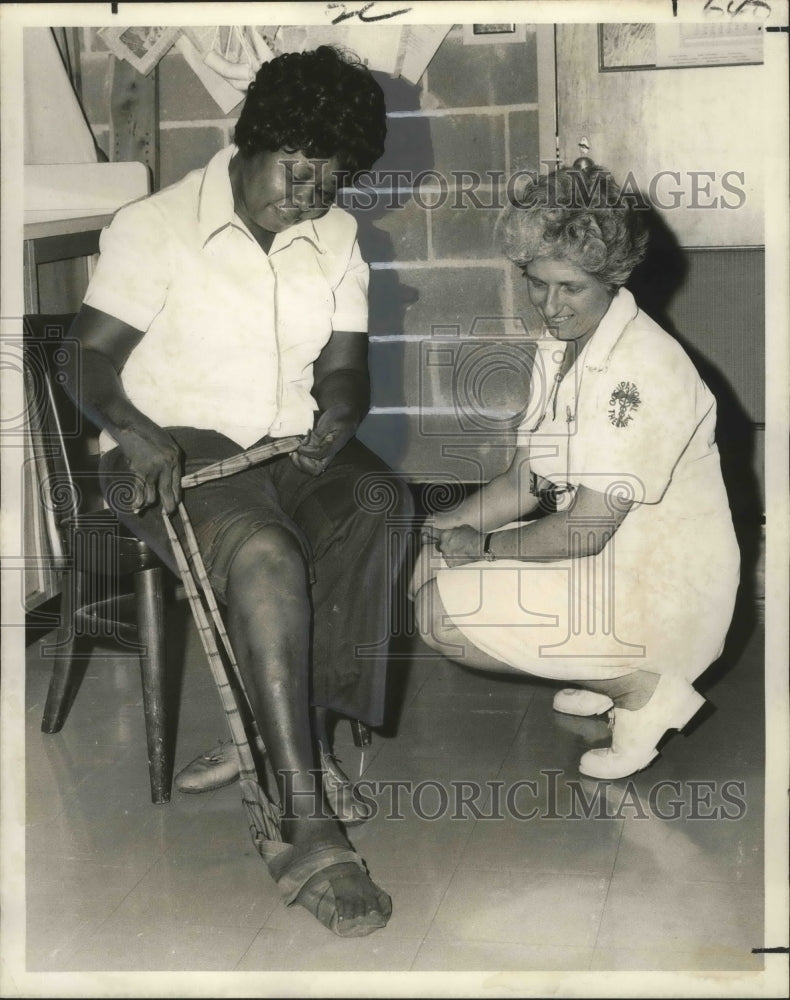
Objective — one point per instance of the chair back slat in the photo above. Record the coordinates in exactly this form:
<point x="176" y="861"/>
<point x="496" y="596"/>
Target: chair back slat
<point x="44" y="459"/>
<point x="65" y="444"/>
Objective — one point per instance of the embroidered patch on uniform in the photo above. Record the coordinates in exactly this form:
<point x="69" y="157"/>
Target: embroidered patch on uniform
<point x="623" y="404"/>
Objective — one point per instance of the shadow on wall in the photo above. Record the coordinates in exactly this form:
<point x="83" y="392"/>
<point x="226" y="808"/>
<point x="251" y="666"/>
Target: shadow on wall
<point x="392" y="231"/>
<point x="655" y="283"/>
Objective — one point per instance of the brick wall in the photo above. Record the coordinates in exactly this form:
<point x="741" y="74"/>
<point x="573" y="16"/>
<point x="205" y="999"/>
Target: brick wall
<point x="429" y="242"/>
<point x="191" y="126"/>
<point x="439" y="288"/>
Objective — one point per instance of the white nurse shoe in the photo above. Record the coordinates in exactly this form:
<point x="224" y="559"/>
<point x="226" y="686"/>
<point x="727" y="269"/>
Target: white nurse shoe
<point x="574" y="701"/>
<point x="635" y="734"/>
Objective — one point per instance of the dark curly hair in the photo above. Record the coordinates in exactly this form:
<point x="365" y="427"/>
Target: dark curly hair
<point x="577" y="214"/>
<point x="322" y="103"/>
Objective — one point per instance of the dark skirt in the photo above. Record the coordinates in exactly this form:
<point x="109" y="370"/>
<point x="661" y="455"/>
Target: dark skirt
<point x="351" y="522"/>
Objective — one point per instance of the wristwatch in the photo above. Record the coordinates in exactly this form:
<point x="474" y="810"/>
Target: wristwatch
<point x="489" y="555"/>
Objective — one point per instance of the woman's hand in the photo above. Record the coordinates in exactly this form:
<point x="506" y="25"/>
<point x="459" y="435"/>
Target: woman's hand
<point x="93" y="382"/>
<point x="457" y="545"/>
<point x="156" y="461"/>
<point x="448" y="520"/>
<point x="333" y="430"/>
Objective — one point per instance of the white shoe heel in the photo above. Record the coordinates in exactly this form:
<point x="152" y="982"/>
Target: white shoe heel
<point x="672" y="705"/>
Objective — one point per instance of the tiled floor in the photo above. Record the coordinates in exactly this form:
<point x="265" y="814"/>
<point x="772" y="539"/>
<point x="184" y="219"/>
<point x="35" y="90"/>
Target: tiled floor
<point x="115" y="883"/>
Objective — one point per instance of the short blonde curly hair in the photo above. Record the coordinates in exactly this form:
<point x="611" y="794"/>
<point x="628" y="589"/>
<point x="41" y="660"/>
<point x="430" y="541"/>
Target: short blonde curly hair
<point x="577" y="214"/>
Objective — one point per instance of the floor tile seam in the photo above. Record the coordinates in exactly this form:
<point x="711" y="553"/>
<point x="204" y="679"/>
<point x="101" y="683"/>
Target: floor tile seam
<point x="417" y="953"/>
<point x="664" y="949"/>
<point x="445" y="779"/>
<point x="617" y="848"/>
<point x="123" y="804"/>
<point x="490" y="943"/>
<point x="506" y="870"/>
<point x="122" y="799"/>
<point x="255" y="937"/>
<point x="405" y="939"/>
<point x="45" y="883"/>
<point x="747" y="883"/>
<point x="608" y="888"/>
<point x="93" y="744"/>
<point x="662" y="880"/>
<point x="407" y="703"/>
<point x="82" y="933"/>
<point x="538" y="870"/>
<point x="511" y="744"/>
<point x="515" y="736"/>
<point x="446" y="889"/>
<point x="51" y="818"/>
<point x="131" y="890"/>
<point x="228" y="855"/>
<point x="75" y="934"/>
<point x="175" y="924"/>
<point x="448" y="755"/>
<point x="46" y="758"/>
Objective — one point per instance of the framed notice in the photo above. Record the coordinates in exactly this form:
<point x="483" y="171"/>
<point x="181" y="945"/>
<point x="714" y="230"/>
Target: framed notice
<point x="669" y="45"/>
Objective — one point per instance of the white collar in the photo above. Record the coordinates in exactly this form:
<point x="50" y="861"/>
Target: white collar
<point x="216" y="210"/>
<point x="598" y="349"/>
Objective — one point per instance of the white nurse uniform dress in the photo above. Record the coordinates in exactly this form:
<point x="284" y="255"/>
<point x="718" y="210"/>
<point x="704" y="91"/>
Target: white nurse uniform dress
<point x="631" y="418"/>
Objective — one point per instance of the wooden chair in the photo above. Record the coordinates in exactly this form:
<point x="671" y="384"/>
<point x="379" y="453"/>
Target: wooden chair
<point x="94" y="554"/>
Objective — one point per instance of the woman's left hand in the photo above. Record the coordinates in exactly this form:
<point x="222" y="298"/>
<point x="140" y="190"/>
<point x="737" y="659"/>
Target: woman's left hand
<point x="333" y="430"/>
<point x="459" y="545"/>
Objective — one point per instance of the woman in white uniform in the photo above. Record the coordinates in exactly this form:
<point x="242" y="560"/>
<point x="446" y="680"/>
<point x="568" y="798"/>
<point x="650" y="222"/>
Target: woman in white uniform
<point x="605" y="555"/>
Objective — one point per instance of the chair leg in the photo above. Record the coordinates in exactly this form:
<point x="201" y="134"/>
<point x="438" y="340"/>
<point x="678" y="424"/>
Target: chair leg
<point x="58" y="702"/>
<point x="361" y="733"/>
<point x="151" y="633"/>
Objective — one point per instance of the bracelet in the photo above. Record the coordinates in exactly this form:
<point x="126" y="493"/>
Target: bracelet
<point x="489" y="555"/>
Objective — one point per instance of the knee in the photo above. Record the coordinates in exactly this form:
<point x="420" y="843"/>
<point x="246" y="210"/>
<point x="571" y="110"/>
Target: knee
<point x="272" y="553"/>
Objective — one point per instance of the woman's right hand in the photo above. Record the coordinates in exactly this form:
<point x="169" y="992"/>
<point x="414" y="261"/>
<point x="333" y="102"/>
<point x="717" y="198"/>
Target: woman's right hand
<point x="156" y="462"/>
<point x="94" y="383"/>
<point x="447" y="520"/>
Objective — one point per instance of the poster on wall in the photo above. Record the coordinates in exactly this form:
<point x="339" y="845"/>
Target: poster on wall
<point x="565" y="276"/>
<point x="670" y="46"/>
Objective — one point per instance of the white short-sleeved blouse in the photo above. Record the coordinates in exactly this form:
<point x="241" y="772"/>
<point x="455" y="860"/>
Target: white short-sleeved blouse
<point x="231" y="333"/>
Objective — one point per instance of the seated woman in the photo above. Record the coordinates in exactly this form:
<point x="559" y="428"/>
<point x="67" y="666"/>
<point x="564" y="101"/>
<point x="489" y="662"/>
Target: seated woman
<point x="605" y="555"/>
<point x="229" y="308"/>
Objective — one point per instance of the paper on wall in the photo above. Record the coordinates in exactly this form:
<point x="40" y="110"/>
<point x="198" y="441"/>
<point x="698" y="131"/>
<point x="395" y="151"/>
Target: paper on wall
<point x="263" y="43"/>
<point x="224" y="94"/>
<point x="143" y="47"/>
<point x="418" y="47"/>
<point x="378" y="47"/>
<point x="711" y="44"/>
<point x="203" y="38"/>
<point x="293" y="38"/>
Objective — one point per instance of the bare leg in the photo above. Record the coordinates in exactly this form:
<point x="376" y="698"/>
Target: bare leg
<point x="438" y="632"/>
<point x="269" y="626"/>
<point x="632" y="691"/>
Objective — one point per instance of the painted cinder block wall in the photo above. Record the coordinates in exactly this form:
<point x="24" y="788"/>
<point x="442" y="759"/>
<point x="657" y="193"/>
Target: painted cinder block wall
<point x="437" y="281"/>
<point x="475" y="110"/>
